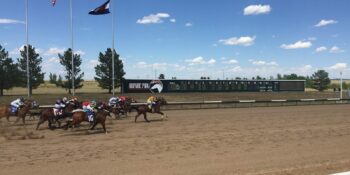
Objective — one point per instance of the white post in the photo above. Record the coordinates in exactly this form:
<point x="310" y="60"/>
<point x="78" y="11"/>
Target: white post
<point x="71" y="29"/>
<point x="341" y="85"/>
<point x="27" y="51"/>
<point x="113" y="76"/>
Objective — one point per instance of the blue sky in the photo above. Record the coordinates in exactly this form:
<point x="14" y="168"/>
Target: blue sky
<point x="189" y="38"/>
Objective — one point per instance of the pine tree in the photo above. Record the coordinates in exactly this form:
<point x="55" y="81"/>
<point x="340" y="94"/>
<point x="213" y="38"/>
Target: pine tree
<point x="53" y="78"/>
<point x="104" y="70"/>
<point x="66" y="61"/>
<point x="8" y="71"/>
<point x="35" y="74"/>
<point x="320" y="80"/>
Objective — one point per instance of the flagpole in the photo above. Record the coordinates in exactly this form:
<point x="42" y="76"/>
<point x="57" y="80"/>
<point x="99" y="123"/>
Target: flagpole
<point x="71" y="28"/>
<point x="28" y="81"/>
<point x="113" y="76"/>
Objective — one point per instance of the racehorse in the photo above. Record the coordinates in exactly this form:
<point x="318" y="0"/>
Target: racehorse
<point x="143" y="109"/>
<point x="49" y="115"/>
<point x="123" y="107"/>
<point x="81" y="116"/>
<point x="5" y="111"/>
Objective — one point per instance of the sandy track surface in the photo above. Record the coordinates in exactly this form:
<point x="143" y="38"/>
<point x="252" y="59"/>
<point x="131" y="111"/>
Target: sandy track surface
<point x="275" y="140"/>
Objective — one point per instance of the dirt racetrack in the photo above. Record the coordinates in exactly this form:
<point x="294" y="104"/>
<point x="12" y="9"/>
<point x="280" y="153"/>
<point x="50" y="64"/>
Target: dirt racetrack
<point x="273" y="140"/>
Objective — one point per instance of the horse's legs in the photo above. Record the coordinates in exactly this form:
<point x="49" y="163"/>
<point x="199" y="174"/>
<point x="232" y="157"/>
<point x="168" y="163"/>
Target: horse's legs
<point x="93" y="126"/>
<point x="145" y="117"/>
<point x="18" y="118"/>
<point x="104" y="126"/>
<point x="23" y="119"/>
<point x="161" y="113"/>
<point x="40" y="122"/>
<point x="138" y="114"/>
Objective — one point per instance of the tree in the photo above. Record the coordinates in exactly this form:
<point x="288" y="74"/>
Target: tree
<point x="104" y="73"/>
<point x="53" y="78"/>
<point x="35" y="74"/>
<point x="9" y="73"/>
<point x="161" y="76"/>
<point x="320" y="80"/>
<point x="66" y="61"/>
<point x="279" y="77"/>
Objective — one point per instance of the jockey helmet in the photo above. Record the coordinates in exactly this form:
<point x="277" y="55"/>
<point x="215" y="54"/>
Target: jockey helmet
<point x="22" y="99"/>
<point x="58" y="101"/>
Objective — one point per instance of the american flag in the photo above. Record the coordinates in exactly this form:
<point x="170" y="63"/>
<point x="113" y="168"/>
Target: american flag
<point x="53" y="2"/>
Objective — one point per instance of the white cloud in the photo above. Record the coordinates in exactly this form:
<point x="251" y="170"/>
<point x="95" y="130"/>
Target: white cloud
<point x="10" y="21"/>
<point x="54" y="51"/>
<point x="257" y="9"/>
<point x="325" y="22"/>
<point x="79" y="52"/>
<point x="321" y="49"/>
<point x="338" y="67"/>
<point x="302" y="70"/>
<point x="54" y="60"/>
<point x="243" y="40"/>
<point x="159" y="66"/>
<point x="297" y="45"/>
<point x="93" y="62"/>
<point x="263" y="63"/>
<point x="141" y="65"/>
<point x="211" y="61"/>
<point x="200" y="60"/>
<point x="173" y="20"/>
<point x="335" y="49"/>
<point x="232" y="61"/>
<point x="236" y="69"/>
<point x="312" y="38"/>
<point x="153" y="18"/>
<point x="188" y="24"/>
<point x="17" y="51"/>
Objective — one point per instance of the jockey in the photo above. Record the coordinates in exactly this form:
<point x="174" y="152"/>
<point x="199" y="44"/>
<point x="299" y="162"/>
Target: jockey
<point x="17" y="104"/>
<point x="113" y="101"/>
<point x="73" y="100"/>
<point x="151" y="101"/>
<point x="89" y="107"/>
<point x="101" y="105"/>
<point x="122" y="100"/>
<point x="59" y="106"/>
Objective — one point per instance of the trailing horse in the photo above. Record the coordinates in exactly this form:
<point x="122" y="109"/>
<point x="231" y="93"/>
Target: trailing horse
<point x="49" y="115"/>
<point x="5" y="111"/>
<point x="144" y="109"/>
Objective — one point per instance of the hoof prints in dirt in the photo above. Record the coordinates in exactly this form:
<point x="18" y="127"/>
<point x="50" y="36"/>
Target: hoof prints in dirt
<point x="8" y="133"/>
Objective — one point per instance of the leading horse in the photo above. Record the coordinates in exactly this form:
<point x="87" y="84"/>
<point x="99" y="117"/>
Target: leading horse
<point x="144" y="109"/>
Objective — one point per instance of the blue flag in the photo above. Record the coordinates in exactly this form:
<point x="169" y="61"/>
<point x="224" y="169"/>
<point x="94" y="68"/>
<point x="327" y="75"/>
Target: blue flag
<point x="101" y="10"/>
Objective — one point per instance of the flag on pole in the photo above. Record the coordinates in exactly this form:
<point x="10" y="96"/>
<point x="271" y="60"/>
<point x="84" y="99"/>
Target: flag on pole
<point x="53" y="2"/>
<point x="101" y="10"/>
